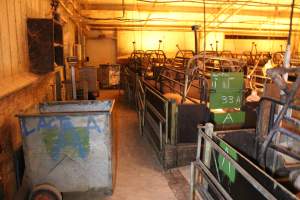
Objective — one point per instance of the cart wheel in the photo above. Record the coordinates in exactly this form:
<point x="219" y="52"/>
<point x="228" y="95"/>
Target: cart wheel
<point x="45" y="192"/>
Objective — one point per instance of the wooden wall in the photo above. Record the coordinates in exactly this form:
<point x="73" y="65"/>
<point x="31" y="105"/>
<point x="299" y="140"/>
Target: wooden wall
<point x="13" y="33"/>
<point x="23" y="88"/>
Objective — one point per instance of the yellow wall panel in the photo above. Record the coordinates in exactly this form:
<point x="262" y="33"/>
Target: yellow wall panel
<point x="149" y="40"/>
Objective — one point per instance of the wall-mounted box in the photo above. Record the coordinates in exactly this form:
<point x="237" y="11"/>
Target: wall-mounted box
<point x="45" y="43"/>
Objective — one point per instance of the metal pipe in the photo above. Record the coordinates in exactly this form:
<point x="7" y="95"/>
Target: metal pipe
<point x="160" y="136"/>
<point x="213" y="180"/>
<point x="223" y="9"/>
<point x="186" y="29"/>
<point x="177" y="46"/>
<point x="282" y="112"/>
<point x="159" y="43"/>
<point x="177" y="82"/>
<point x="167" y="121"/>
<point x="195" y="29"/>
<point x="192" y="185"/>
<point x="72" y="61"/>
<point x="187" y="72"/>
<point x="73" y="82"/>
<point x="217" y="42"/>
<point x="204" y="34"/>
<point x="133" y="43"/>
<point x="230" y="15"/>
<point x="287" y="55"/>
<point x="65" y="7"/>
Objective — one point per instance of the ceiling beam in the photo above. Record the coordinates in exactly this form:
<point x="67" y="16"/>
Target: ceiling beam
<point x="140" y="26"/>
<point x="135" y="27"/>
<point x="85" y="8"/>
<point x="184" y="28"/>
<point x="250" y="24"/>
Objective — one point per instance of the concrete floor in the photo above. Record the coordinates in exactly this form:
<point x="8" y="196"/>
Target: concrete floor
<point x="139" y="174"/>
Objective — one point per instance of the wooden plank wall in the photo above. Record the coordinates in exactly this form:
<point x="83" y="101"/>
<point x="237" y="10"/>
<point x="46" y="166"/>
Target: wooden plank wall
<point x="13" y="32"/>
<point x="14" y="68"/>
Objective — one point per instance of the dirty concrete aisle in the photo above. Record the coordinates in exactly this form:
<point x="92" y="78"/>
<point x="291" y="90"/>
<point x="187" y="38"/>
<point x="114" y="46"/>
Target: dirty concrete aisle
<point x="139" y="175"/>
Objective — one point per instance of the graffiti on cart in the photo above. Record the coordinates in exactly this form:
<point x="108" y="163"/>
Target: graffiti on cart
<point x="61" y="136"/>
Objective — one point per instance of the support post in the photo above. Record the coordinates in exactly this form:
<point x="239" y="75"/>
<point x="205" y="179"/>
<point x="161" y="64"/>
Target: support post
<point x="192" y="185"/>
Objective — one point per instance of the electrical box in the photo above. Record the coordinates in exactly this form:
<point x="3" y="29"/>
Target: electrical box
<point x="109" y="75"/>
<point x="45" y="43"/>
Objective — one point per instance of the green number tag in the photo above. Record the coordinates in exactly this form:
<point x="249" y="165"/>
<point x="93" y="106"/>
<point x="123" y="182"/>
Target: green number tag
<point x="226" y="99"/>
<point x="224" y="165"/>
<point x="229" y="118"/>
<point x="227" y="92"/>
<point x="227" y="81"/>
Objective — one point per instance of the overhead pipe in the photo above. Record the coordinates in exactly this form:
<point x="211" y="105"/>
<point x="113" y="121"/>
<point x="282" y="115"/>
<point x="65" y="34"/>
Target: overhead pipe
<point x="217" y="2"/>
<point x="217" y="52"/>
<point x="195" y="28"/>
<point x="230" y="15"/>
<point x="159" y="43"/>
<point x="62" y="3"/>
<point x="204" y="34"/>
<point x="187" y="70"/>
<point x="287" y="55"/>
<point x="228" y="30"/>
<point x="223" y="9"/>
<point x="211" y="46"/>
<point x="133" y="43"/>
<point x="64" y="6"/>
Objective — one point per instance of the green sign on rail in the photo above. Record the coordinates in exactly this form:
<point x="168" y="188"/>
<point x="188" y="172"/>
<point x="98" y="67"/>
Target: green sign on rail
<point x="229" y="118"/>
<point x="227" y="92"/>
<point x="227" y="81"/>
<point x="225" y="99"/>
<point x="224" y="165"/>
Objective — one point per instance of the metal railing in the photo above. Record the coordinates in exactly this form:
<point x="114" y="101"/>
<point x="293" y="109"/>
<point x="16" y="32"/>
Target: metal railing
<point x="204" y="181"/>
<point x="158" y="119"/>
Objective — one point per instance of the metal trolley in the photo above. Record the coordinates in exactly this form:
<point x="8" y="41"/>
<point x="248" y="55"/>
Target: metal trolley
<point x="70" y="145"/>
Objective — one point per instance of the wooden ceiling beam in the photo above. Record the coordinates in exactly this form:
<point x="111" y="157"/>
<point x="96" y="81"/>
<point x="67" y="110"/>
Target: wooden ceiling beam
<point x="85" y="8"/>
